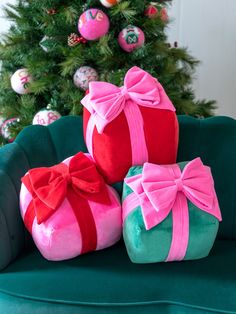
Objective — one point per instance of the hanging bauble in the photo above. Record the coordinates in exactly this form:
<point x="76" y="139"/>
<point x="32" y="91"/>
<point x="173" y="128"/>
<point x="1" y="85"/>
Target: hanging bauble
<point x="6" y="129"/>
<point x="20" y="81"/>
<point x="109" y="3"/>
<point x="46" y="117"/>
<point x="74" y="40"/>
<point x="131" y="38"/>
<point x="155" y="10"/>
<point x="93" y="24"/>
<point x="47" y="43"/>
<point x="1" y="120"/>
<point x="51" y="11"/>
<point x="83" y="76"/>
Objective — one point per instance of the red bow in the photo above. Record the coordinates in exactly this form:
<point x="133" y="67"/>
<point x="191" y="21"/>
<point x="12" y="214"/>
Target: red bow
<point x="49" y="186"/>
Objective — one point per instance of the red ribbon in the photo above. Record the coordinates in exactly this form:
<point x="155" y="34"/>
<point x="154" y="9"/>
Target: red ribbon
<point x="79" y="182"/>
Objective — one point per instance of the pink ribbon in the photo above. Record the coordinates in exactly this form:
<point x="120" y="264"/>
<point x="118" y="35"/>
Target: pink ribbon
<point x="162" y="189"/>
<point x="106" y="101"/>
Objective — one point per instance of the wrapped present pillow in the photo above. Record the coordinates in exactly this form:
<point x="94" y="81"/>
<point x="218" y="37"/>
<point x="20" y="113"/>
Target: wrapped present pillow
<point x="128" y="126"/>
<point x="69" y="210"/>
<point x="170" y="212"/>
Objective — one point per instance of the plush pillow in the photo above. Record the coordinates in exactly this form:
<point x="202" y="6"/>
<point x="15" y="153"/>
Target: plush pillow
<point x="170" y="213"/>
<point x="128" y="126"/>
<point x="69" y="210"/>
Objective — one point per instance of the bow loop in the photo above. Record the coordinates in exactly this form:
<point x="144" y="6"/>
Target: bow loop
<point x="49" y="186"/>
<point x="159" y="186"/>
<point x="106" y="101"/>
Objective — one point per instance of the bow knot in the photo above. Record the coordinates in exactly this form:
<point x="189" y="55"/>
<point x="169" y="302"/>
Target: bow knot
<point x="124" y="92"/>
<point x="49" y="186"/>
<point x="179" y="184"/>
<point x="106" y="101"/>
<point x="158" y="189"/>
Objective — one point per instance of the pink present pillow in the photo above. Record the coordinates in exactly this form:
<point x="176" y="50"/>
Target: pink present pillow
<point x="69" y="210"/>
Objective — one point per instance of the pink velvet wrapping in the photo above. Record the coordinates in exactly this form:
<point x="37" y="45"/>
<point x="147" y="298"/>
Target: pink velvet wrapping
<point x="59" y="238"/>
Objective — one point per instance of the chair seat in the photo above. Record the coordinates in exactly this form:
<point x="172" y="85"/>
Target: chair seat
<point x="98" y="283"/>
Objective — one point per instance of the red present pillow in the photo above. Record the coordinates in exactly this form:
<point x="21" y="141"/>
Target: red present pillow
<point x="128" y="126"/>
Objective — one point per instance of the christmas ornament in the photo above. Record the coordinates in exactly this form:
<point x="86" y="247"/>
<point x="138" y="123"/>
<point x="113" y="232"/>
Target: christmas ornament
<point x="51" y="11"/>
<point x="1" y="120"/>
<point x="154" y="10"/>
<point x="83" y="76"/>
<point x="109" y="3"/>
<point x="47" y="43"/>
<point x="131" y="38"/>
<point x="20" y="81"/>
<point x="46" y="117"/>
<point x="6" y="129"/>
<point x="93" y="24"/>
<point x="74" y="40"/>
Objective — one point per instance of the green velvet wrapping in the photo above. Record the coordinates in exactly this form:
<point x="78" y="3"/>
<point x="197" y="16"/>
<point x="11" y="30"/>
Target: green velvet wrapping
<point x="150" y="246"/>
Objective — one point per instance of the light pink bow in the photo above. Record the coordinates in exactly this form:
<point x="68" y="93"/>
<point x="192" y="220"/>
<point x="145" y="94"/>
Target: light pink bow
<point x="106" y="101"/>
<point x="158" y="188"/>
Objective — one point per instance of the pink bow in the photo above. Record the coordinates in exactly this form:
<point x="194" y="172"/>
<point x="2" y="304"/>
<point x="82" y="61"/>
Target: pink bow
<point x="106" y="101"/>
<point x="158" y="188"/>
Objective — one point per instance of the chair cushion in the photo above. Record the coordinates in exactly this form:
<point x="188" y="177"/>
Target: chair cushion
<point x="107" y="282"/>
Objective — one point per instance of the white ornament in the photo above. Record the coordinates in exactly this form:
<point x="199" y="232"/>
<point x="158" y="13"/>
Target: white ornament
<point x="46" y="117"/>
<point x="5" y="129"/>
<point x="20" y="80"/>
<point x="83" y="76"/>
<point x="109" y="3"/>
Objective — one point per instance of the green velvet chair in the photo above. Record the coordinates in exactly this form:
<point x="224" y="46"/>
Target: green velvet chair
<point x="107" y="282"/>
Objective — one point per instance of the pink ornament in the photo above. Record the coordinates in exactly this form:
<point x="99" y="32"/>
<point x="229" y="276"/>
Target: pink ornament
<point x="93" y="24"/>
<point x="131" y="38"/>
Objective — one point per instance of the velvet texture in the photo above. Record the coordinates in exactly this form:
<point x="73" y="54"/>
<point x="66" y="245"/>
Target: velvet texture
<point x="155" y="245"/>
<point x="129" y="125"/>
<point x="107" y="281"/>
<point x="69" y="210"/>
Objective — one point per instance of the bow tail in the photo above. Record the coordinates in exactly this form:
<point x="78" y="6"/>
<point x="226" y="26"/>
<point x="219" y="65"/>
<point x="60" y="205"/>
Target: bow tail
<point x="180" y="229"/>
<point x="85" y="220"/>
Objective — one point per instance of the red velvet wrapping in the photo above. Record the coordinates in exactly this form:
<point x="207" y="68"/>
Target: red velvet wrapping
<point x="112" y="148"/>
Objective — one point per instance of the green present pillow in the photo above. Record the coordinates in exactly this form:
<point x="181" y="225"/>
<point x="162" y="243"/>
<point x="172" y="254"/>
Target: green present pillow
<point x="170" y="212"/>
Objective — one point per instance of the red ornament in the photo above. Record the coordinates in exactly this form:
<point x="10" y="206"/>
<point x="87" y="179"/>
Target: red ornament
<point x="74" y="40"/>
<point x="164" y="15"/>
<point x="51" y="11"/>
<point x="151" y="11"/>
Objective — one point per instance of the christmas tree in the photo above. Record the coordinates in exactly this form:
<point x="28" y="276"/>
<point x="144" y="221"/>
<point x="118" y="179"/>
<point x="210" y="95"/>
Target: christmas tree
<point x="56" y="60"/>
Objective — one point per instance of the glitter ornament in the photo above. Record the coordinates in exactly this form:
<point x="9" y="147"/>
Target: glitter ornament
<point x="155" y="10"/>
<point x="93" y="24"/>
<point x="74" y="40"/>
<point x="83" y="76"/>
<point x="109" y="3"/>
<point x="5" y="129"/>
<point x="20" y="81"/>
<point x="131" y="38"/>
<point x="51" y="11"/>
<point x="46" y="117"/>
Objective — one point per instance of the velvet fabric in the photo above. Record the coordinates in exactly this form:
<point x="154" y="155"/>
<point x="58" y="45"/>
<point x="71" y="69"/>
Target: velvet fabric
<point x="69" y="210"/>
<point x="106" y="281"/>
<point x="129" y="125"/>
<point x="175" y="217"/>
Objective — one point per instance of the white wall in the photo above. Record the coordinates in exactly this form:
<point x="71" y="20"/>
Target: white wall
<point x="208" y="29"/>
